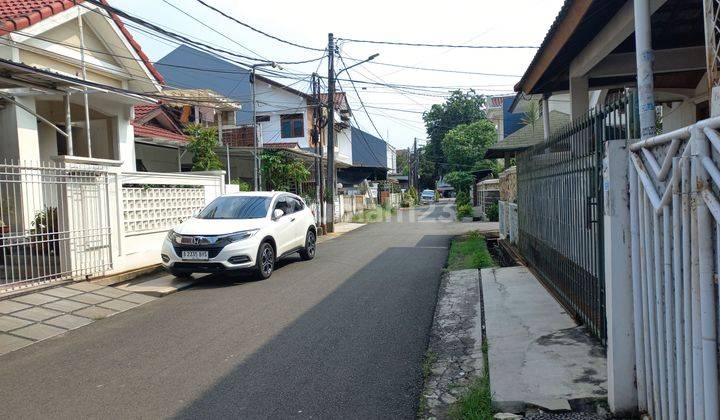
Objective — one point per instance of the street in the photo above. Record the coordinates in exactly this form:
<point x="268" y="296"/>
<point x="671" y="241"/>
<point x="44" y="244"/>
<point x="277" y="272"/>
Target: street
<point x="343" y="335"/>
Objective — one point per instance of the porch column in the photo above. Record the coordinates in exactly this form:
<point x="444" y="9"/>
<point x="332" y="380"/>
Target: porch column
<point x="644" y="59"/>
<point x="579" y="96"/>
<point x="546" y="117"/>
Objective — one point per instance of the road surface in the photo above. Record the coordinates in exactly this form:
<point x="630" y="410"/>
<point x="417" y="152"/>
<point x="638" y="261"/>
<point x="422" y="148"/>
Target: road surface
<point x="342" y="336"/>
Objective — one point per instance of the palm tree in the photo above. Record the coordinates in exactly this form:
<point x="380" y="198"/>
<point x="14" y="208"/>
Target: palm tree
<point x="532" y="115"/>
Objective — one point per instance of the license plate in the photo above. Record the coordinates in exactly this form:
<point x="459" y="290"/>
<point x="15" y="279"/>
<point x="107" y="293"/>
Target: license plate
<point x="195" y="255"/>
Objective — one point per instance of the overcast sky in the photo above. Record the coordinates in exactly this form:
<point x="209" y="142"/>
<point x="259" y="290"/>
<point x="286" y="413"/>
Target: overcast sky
<point x="478" y="22"/>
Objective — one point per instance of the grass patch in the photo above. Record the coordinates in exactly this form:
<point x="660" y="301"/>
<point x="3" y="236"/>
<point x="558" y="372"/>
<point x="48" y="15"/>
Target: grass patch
<point x="430" y="359"/>
<point x="469" y="251"/>
<point x="378" y="214"/>
<point x="476" y="403"/>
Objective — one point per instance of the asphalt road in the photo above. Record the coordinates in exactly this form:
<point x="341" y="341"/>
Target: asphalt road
<point x="342" y="336"/>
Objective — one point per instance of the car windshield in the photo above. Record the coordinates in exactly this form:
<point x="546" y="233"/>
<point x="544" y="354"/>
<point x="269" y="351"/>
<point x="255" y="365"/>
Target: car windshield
<point x="243" y="207"/>
<point x="428" y="193"/>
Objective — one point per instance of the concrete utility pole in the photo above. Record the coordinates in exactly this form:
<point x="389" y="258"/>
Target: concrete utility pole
<point x="644" y="58"/>
<point x="330" y="187"/>
<point x="317" y="127"/>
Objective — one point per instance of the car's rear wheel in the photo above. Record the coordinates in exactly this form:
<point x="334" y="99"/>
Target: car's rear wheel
<point x="308" y="252"/>
<point x="265" y="261"/>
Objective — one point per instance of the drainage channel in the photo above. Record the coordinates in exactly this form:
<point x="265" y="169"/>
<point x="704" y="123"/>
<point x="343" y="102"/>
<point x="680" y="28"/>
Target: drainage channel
<point x="500" y="253"/>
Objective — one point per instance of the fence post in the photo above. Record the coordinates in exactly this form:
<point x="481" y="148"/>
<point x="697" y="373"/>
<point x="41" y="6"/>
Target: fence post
<point x="622" y="394"/>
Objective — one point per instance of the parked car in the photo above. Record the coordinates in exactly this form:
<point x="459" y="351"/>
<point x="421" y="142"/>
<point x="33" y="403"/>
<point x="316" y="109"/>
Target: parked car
<point x="427" y="197"/>
<point x="241" y="231"/>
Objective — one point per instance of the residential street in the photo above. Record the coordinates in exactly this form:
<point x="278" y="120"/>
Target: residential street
<point x="343" y="335"/>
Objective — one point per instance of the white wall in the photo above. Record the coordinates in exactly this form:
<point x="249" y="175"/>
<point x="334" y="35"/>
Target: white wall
<point x="391" y="159"/>
<point x="273" y="101"/>
<point x="344" y="143"/>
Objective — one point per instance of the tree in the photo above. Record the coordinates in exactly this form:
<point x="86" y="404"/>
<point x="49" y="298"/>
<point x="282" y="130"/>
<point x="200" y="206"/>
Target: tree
<point x="532" y="115"/>
<point x="203" y="141"/>
<point x="464" y="146"/>
<point x="460" y="180"/>
<point x="460" y="108"/>
<point x="402" y="161"/>
<point x="281" y="171"/>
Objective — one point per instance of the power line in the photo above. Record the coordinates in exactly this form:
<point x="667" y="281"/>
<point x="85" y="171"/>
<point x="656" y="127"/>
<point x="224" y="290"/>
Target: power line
<point x="417" y="44"/>
<point x="401" y="66"/>
<point x="359" y="98"/>
<point x="258" y="30"/>
<point x="123" y="14"/>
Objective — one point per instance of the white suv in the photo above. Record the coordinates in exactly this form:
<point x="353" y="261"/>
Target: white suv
<point x="249" y="230"/>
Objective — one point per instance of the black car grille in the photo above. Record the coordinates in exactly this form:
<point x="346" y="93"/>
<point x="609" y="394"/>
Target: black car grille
<point x="213" y="251"/>
<point x="204" y="267"/>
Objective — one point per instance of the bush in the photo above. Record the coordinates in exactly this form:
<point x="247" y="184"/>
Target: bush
<point x="464" y="210"/>
<point x="462" y="198"/>
<point x="411" y="196"/>
<point x="492" y="212"/>
<point x="244" y="186"/>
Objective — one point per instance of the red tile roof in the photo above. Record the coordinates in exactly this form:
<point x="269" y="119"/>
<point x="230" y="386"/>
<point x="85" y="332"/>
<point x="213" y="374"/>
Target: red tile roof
<point x="341" y="102"/>
<point x="16" y="15"/>
<point x="150" y="132"/>
<point x="142" y="110"/>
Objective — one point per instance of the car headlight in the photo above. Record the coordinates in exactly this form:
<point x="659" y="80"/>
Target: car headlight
<point x="238" y="236"/>
<point x="173" y="237"/>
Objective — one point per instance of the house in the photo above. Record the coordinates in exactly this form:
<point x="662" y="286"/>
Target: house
<point x="527" y="136"/>
<point x="88" y="93"/>
<point x="594" y="199"/>
<point x="498" y="111"/>
<point x="373" y="159"/>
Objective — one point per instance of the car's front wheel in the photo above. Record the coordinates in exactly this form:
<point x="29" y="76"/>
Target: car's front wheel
<point x="265" y="261"/>
<point x="308" y="252"/>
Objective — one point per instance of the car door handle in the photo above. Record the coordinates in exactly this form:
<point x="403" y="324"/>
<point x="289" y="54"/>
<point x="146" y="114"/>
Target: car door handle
<point x="292" y="219"/>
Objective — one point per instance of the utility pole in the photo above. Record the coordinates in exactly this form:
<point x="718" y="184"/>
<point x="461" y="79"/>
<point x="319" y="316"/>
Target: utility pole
<point x="317" y="127"/>
<point x="330" y="187"/>
<point x="416" y="166"/>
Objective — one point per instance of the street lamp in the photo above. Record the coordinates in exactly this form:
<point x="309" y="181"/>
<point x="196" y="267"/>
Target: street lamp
<point x="256" y="159"/>
<point x="372" y="57"/>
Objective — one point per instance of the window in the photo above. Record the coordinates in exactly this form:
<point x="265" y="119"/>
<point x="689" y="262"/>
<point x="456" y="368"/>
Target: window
<point x="292" y="126"/>
<point x="262" y="118"/>
<point x="284" y="204"/>
<point x="297" y="204"/>
<point x="229" y="207"/>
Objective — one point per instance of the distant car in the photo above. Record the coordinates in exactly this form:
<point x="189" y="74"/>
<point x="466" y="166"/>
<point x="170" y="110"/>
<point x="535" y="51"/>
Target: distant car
<point x="427" y="197"/>
<point x="248" y="230"/>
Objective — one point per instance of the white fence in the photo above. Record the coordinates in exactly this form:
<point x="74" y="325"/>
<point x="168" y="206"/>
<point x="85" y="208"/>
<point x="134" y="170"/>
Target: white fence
<point x="675" y="255"/>
<point x="73" y="219"/>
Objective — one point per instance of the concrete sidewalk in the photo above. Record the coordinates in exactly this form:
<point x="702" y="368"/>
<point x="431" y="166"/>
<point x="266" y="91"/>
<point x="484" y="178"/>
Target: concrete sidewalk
<point x="537" y="354"/>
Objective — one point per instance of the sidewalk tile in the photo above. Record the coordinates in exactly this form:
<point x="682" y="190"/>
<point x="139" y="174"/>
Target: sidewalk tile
<point x="38" y="331"/>
<point x="9" y="343"/>
<point x="85" y="286"/>
<point x="69" y="322"/>
<point x="37" y="314"/>
<point x="118" y="305"/>
<point x="61" y="292"/>
<point x="35" y="299"/>
<point x="138" y="298"/>
<point x="8" y="323"/>
<point x="8" y="306"/>
<point x="111" y="292"/>
<point x="65" y="305"/>
<point x="90" y="298"/>
<point x="95" y="312"/>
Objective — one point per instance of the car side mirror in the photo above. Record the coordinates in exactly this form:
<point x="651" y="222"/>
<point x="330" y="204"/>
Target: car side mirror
<point x="278" y="213"/>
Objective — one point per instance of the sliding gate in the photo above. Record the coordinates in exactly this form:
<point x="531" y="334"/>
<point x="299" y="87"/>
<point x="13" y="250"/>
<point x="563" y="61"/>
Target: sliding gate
<point x="560" y="211"/>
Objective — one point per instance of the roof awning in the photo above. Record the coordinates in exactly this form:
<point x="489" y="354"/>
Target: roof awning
<point x="17" y="75"/>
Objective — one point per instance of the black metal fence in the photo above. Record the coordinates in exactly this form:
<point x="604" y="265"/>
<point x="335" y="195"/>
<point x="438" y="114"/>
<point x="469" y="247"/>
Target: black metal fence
<point x="560" y="209"/>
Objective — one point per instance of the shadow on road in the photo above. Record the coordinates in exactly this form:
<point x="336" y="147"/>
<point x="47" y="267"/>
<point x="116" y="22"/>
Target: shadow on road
<point x="357" y="353"/>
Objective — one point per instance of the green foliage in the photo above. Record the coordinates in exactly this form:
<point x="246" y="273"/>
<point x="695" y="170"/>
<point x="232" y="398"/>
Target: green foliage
<point x="532" y="115"/>
<point x="469" y="251"/>
<point x="282" y="171"/>
<point x="410" y="197"/>
<point x="460" y="180"/>
<point x="244" y="185"/>
<point x="492" y="212"/>
<point x="203" y="141"/>
<point x="464" y="146"/>
<point x="462" y="198"/>
<point x="464" y="210"/>
<point x="460" y="108"/>
<point x="378" y="214"/>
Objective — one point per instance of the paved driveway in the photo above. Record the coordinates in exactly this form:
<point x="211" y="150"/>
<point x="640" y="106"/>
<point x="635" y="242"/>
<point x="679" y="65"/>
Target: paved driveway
<point x="341" y="336"/>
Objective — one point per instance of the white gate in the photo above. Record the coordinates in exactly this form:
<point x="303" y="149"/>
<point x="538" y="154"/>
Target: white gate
<point x="675" y="244"/>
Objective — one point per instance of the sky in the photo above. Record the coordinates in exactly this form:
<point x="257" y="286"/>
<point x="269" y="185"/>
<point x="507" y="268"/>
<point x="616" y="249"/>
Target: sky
<point x="463" y="22"/>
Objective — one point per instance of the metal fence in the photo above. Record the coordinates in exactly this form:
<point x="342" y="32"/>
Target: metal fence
<point x="560" y="202"/>
<point x="54" y="223"/>
<point x="675" y="254"/>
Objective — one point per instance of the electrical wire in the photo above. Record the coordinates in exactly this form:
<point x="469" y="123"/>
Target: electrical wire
<point x="258" y="30"/>
<point x="401" y="66"/>
<point x="417" y="44"/>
